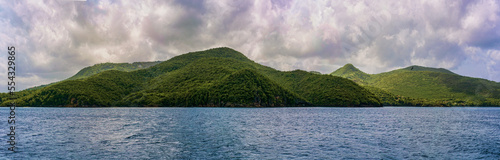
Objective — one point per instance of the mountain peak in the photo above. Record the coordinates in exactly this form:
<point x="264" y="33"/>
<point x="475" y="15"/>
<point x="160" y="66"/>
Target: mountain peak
<point x="421" y="68"/>
<point x="222" y="52"/>
<point x="351" y="72"/>
<point x="349" y="66"/>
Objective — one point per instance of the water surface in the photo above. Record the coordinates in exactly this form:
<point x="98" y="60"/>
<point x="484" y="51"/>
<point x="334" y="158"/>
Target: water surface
<point x="254" y="133"/>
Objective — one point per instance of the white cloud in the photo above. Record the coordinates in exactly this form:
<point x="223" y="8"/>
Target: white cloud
<point x="493" y="64"/>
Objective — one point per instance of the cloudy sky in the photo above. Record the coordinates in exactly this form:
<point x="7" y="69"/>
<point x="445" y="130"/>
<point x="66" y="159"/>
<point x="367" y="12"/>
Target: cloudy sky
<point x="55" y="39"/>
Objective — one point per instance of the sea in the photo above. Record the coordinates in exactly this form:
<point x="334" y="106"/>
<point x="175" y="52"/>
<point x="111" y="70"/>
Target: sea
<point x="253" y="133"/>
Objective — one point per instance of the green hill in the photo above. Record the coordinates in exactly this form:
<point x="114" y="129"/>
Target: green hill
<point x="352" y="73"/>
<point x="420" y="68"/>
<point x="214" y="77"/>
<point x="416" y="85"/>
<point x="98" y="68"/>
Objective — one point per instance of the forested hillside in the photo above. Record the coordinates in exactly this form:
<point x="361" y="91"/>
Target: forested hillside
<point x="425" y="86"/>
<point x="215" y="77"/>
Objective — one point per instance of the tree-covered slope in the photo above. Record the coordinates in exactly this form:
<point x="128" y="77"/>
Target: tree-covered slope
<point x="215" y="77"/>
<point x="213" y="81"/>
<point x="430" y="86"/>
<point x="420" y="68"/>
<point x="351" y="72"/>
<point x="324" y="90"/>
<point x="98" y="68"/>
<point x="103" y="89"/>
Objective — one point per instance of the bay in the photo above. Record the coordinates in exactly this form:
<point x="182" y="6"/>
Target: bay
<point x="254" y="133"/>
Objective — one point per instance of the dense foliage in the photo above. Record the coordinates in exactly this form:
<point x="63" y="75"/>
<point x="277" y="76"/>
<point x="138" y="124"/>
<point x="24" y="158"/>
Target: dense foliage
<point x="127" y="67"/>
<point x="215" y="77"/>
<point x="323" y="90"/>
<point x="424" y="86"/>
<point x="352" y="73"/>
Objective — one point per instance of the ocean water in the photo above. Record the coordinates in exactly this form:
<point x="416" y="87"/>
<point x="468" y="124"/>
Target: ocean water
<point x="254" y="133"/>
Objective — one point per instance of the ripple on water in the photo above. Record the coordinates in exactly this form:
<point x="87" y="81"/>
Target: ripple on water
<point x="256" y="133"/>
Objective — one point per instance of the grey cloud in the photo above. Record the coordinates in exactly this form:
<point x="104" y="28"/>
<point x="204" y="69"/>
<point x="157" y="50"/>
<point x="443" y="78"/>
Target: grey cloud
<point x="195" y="6"/>
<point x="62" y="37"/>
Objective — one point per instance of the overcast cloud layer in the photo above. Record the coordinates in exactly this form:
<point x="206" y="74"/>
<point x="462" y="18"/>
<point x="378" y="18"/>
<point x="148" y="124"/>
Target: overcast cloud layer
<point x="55" y="39"/>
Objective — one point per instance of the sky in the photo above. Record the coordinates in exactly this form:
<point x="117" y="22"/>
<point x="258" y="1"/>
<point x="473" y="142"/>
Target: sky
<point x="55" y="39"/>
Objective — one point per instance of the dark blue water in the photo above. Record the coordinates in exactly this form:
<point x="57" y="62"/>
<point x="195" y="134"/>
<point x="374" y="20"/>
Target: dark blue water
<point x="254" y="133"/>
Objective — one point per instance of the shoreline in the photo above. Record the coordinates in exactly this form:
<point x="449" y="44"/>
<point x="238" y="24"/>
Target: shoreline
<point x="262" y="107"/>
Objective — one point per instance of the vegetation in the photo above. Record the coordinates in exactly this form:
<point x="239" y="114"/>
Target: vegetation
<point x="98" y="68"/>
<point x="324" y="90"/>
<point x="225" y="77"/>
<point x="424" y="86"/>
<point x="216" y="77"/>
<point x="352" y="73"/>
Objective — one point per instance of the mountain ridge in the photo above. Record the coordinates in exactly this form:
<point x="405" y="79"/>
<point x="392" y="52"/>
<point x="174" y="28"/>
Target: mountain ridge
<point x="219" y="77"/>
<point x="421" y="85"/>
<point x="422" y="68"/>
<point x="91" y="70"/>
